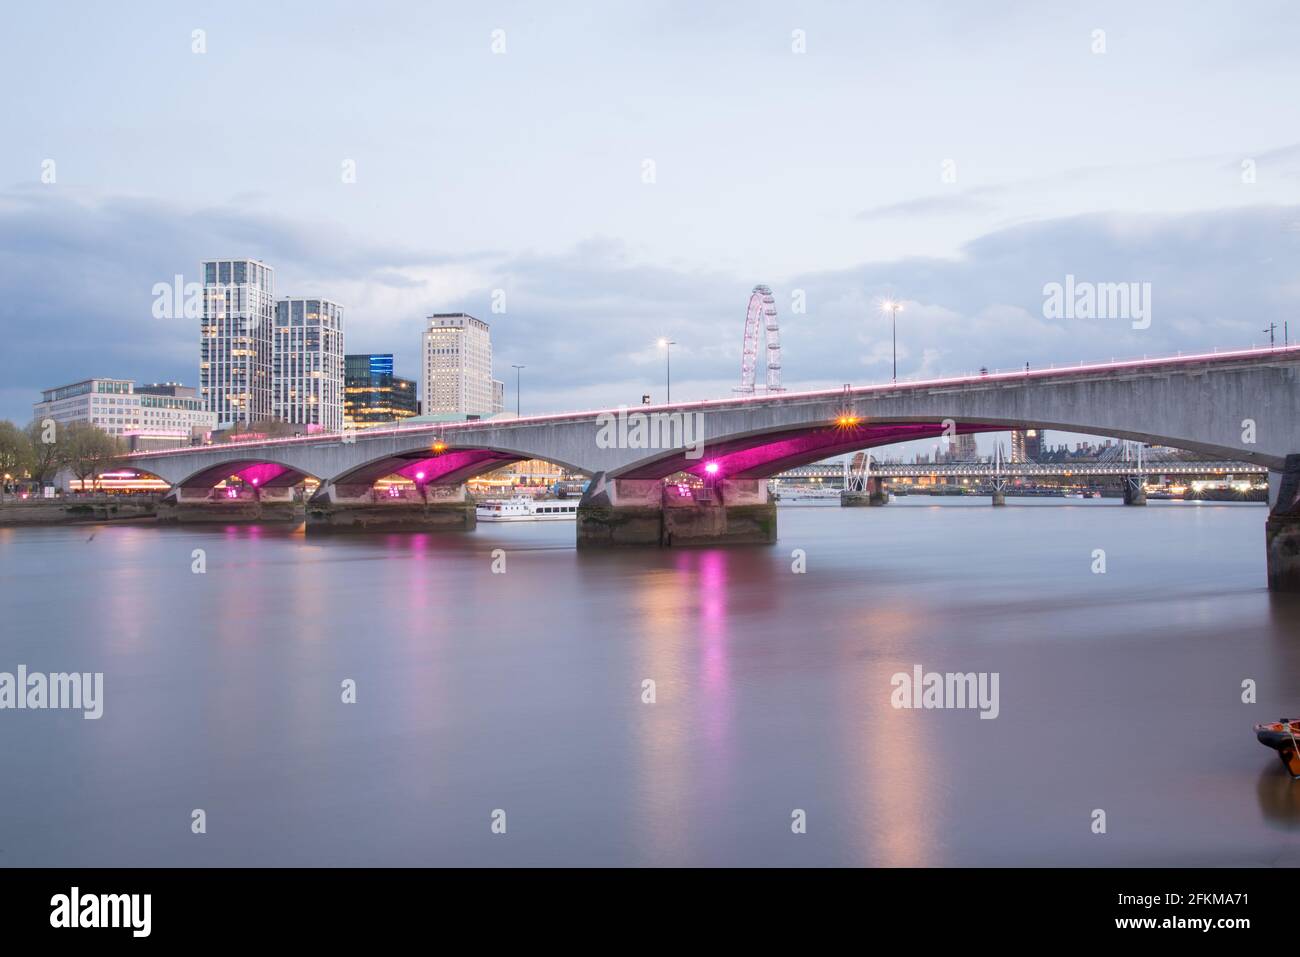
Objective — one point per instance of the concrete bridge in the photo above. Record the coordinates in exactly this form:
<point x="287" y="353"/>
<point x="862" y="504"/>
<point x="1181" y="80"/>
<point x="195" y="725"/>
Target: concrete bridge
<point x="1240" y="406"/>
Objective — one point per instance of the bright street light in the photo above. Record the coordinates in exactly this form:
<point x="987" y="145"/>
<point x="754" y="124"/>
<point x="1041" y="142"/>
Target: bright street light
<point x="893" y="308"/>
<point x="518" y="373"/>
<point x="667" y="344"/>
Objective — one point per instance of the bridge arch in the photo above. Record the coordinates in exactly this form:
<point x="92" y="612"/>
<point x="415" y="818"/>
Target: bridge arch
<point x="762" y="453"/>
<point x="432" y="465"/>
<point x="254" y="470"/>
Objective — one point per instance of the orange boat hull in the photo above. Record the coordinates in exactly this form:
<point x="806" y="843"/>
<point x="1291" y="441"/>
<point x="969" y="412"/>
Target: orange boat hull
<point x="1284" y="738"/>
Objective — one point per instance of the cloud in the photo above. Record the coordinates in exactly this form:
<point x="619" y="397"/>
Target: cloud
<point x="75" y="299"/>
<point x="939" y="204"/>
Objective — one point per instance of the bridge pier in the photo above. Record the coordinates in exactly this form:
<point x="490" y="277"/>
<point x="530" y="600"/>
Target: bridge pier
<point x="1135" y="490"/>
<point x="646" y="512"/>
<point x="874" y="495"/>
<point x="362" y="508"/>
<point x="1282" y="529"/>
<point x="205" y="505"/>
<point x="999" y="491"/>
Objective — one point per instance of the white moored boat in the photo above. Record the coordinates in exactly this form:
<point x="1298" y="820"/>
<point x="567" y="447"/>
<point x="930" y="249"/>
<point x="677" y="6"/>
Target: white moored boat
<point x="804" y="493"/>
<point x="527" y="510"/>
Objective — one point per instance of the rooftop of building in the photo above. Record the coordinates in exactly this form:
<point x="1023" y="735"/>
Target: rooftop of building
<point x="454" y="320"/>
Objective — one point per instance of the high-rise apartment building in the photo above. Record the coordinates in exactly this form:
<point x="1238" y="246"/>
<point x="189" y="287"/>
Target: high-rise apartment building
<point x="307" y="362"/>
<point x="372" y="393"/>
<point x="235" y="364"/>
<point x="458" y="367"/>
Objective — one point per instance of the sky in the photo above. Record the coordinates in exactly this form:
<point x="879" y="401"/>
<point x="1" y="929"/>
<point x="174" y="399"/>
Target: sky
<point x="614" y="176"/>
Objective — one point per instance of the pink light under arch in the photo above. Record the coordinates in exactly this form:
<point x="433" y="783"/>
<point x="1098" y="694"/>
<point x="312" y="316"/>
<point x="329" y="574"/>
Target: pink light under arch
<point x="764" y="455"/>
<point x="262" y="473"/>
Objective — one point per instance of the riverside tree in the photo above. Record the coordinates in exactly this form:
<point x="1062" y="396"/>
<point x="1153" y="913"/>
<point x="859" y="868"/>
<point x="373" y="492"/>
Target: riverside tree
<point x="87" y="450"/>
<point x="15" y="452"/>
<point x="45" y="457"/>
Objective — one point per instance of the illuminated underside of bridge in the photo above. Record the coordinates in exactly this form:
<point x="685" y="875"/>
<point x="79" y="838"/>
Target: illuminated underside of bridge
<point x="765" y="455"/>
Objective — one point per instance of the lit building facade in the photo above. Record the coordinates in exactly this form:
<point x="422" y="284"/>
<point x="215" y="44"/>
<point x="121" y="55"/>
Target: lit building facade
<point x="1026" y="445"/>
<point x="154" y="416"/>
<point x="235" y="361"/>
<point x="307" y="363"/>
<point x="373" y="394"/>
<point x="458" y="367"/>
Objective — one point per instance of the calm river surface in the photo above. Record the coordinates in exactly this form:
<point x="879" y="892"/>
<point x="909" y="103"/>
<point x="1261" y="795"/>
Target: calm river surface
<point x="522" y="691"/>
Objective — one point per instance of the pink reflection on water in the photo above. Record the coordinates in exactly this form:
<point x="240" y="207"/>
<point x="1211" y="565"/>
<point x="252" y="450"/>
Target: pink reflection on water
<point x="713" y="619"/>
<point x="707" y="572"/>
<point x="252" y="530"/>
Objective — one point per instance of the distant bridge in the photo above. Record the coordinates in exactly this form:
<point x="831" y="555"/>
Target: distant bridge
<point x="1027" y="469"/>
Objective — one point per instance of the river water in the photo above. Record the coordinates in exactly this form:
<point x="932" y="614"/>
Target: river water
<point x="522" y="691"/>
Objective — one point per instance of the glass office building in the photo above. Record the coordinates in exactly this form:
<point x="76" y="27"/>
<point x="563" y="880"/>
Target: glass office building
<point x="373" y="394"/>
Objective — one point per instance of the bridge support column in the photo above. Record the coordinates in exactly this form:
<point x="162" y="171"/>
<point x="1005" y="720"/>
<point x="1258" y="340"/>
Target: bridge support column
<point x="362" y="508"/>
<point x="999" y="491"/>
<point x="873" y="495"/>
<point x="632" y="512"/>
<point x="204" y="505"/>
<point x="1135" y="490"/>
<point x="1282" y="529"/>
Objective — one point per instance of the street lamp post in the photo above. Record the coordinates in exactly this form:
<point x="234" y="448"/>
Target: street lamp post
<point x="892" y="307"/>
<point x="668" y="358"/>
<point x="518" y="373"/>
